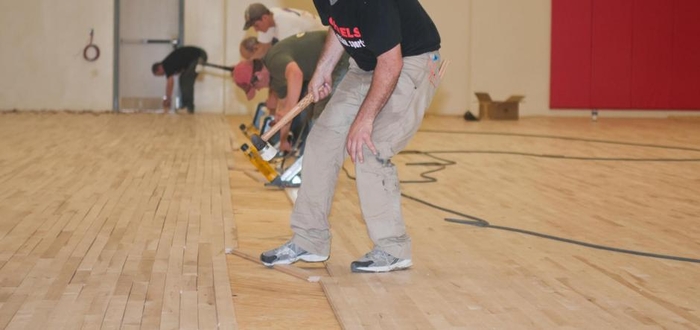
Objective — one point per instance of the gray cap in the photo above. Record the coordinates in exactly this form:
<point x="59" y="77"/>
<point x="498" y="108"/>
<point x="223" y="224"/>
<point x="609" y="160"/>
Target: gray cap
<point x="253" y="13"/>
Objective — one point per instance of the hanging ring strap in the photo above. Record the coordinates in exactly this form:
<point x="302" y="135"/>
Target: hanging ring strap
<point x="91" y="48"/>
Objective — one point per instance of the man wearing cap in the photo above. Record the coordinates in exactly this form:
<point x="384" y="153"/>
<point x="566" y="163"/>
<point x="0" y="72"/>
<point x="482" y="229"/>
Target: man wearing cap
<point x="275" y="24"/>
<point x="251" y="48"/>
<point x="182" y="61"/>
<point x="286" y="69"/>
<point x="372" y="115"/>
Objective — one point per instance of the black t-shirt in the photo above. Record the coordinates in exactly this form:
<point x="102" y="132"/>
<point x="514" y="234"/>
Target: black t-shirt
<point x="369" y="28"/>
<point x="180" y="59"/>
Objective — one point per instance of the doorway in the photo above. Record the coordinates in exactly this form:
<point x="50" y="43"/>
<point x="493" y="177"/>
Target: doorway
<point x="145" y="32"/>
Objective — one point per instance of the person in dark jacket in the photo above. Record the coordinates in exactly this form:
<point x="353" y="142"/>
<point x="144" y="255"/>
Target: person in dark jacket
<point x="182" y="61"/>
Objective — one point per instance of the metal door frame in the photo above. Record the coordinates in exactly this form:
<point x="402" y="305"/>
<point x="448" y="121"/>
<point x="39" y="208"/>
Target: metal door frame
<point x="117" y="46"/>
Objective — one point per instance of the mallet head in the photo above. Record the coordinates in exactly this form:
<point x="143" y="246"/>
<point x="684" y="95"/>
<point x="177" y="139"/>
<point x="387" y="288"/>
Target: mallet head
<point x="267" y="151"/>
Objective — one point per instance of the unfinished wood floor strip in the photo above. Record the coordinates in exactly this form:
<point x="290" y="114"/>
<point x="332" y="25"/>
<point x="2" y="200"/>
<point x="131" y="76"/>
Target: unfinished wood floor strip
<point x="265" y="298"/>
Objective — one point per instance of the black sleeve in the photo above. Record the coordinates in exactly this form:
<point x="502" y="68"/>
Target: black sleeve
<point x="322" y="9"/>
<point x="381" y="25"/>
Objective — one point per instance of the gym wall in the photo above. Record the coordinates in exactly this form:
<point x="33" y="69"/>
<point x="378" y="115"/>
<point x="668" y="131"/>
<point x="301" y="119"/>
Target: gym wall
<point x="497" y="46"/>
<point x="42" y="40"/>
<point x="204" y="27"/>
<point x="41" y="57"/>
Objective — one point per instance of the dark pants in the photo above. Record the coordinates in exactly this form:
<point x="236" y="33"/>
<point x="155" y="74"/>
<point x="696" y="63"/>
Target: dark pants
<point x="187" y="79"/>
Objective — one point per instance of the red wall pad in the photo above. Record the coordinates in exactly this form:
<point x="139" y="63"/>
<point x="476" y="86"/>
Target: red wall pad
<point x="625" y="54"/>
<point x="611" y="54"/>
<point x="652" y="54"/>
<point x="685" y="92"/>
<point x="570" y="80"/>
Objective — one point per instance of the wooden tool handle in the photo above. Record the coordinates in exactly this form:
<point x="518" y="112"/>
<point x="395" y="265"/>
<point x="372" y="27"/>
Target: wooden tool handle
<point x="222" y="67"/>
<point x="308" y="99"/>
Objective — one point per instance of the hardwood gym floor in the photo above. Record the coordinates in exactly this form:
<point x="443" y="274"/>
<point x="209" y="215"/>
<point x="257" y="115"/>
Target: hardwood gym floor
<point x="468" y="277"/>
<point x="122" y="221"/>
<point x="114" y="222"/>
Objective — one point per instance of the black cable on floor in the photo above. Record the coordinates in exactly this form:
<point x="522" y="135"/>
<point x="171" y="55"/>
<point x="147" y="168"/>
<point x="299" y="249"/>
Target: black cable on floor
<point x="478" y="222"/>
<point x="515" y="153"/>
<point x="565" y="138"/>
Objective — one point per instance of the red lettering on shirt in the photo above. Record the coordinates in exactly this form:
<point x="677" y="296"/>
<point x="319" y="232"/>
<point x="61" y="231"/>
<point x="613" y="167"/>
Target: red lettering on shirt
<point x="356" y="33"/>
<point x="345" y="32"/>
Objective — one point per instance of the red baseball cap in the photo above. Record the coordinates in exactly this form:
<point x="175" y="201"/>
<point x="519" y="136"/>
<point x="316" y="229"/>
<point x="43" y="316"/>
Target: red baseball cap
<point x="242" y="75"/>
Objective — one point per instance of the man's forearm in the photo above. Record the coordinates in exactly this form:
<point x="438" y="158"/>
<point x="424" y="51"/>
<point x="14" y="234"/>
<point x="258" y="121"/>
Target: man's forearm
<point x="271" y="102"/>
<point x="169" y="87"/>
<point x="295" y="81"/>
<point x="332" y="51"/>
<point x="386" y="75"/>
<point x="284" y="135"/>
<point x="284" y="106"/>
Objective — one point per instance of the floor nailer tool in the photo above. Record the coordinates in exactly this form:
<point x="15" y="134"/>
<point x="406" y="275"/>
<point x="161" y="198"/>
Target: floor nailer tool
<point x="263" y="167"/>
<point x="267" y="151"/>
<point x="261" y="122"/>
<point x="260" y="161"/>
<point x="290" y="177"/>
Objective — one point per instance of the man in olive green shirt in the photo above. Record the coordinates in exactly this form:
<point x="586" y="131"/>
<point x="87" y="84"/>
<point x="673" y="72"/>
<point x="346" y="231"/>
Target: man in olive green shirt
<point x="286" y="69"/>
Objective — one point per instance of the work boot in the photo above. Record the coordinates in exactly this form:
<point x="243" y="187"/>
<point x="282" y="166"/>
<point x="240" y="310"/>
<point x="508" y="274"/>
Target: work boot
<point x="289" y="253"/>
<point x="378" y="261"/>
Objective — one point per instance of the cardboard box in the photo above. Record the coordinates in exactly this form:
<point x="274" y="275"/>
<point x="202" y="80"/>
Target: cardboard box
<point x="498" y="110"/>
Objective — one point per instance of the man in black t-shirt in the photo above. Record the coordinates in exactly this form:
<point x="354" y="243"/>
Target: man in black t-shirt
<point x="372" y="115"/>
<point x="181" y="61"/>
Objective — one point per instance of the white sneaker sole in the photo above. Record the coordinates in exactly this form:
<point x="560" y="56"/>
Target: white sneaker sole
<point x="305" y="257"/>
<point x="403" y="264"/>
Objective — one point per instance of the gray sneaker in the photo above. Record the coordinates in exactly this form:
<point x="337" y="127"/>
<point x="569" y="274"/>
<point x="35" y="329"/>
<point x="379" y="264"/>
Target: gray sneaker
<point x="289" y="253"/>
<point x="377" y="261"/>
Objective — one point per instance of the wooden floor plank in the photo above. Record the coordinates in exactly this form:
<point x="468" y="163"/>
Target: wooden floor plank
<point x="96" y="212"/>
<point x="265" y="298"/>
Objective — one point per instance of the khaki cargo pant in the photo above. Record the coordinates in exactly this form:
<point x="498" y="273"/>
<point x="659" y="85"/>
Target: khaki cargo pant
<point x="377" y="180"/>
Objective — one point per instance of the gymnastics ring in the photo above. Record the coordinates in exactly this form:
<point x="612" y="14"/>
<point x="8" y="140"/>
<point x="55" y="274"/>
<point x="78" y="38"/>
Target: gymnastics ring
<point x="89" y="47"/>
